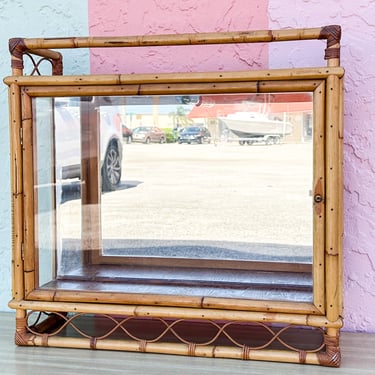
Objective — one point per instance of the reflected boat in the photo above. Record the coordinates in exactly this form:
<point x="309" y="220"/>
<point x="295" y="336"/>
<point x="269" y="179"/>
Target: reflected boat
<point x="252" y="124"/>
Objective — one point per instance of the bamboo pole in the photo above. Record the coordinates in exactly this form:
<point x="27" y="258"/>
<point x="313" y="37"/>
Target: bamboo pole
<point x="333" y="199"/>
<point x="288" y="86"/>
<point x="128" y="79"/>
<point x="169" y="89"/>
<point x="341" y="193"/>
<point x="90" y="180"/>
<point x="17" y="191"/>
<point x="115" y="298"/>
<point x="179" y="39"/>
<point x="16" y="171"/>
<point x="265" y="306"/>
<point x="28" y="174"/>
<point x="228" y="87"/>
<point x="48" y="54"/>
<point x="319" y="192"/>
<point x="178" y="313"/>
<point x="41" y="46"/>
<point x="202" y="88"/>
<point x="209" y="263"/>
<point x="39" y="91"/>
<point x="176" y="301"/>
<point x="208" y="351"/>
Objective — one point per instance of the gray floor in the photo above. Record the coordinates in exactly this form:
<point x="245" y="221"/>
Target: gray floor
<point x="358" y="352"/>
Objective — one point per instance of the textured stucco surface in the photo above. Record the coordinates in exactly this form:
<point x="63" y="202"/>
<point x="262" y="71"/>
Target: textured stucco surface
<point x="142" y="17"/>
<point x="36" y="18"/>
<point x="357" y="57"/>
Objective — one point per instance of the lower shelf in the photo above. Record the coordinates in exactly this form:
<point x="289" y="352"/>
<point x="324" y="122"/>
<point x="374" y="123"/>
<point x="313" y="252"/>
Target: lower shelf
<point x="192" y="337"/>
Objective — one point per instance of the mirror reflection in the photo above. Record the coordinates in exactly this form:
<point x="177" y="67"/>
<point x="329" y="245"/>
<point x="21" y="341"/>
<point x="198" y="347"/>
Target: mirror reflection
<point x="216" y="177"/>
<point x="210" y="179"/>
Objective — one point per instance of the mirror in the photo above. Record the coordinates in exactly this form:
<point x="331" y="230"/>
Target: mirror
<point x="184" y="182"/>
<point x="219" y="177"/>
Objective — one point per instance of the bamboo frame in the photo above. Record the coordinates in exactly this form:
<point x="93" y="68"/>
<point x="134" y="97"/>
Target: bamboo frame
<point x="28" y="139"/>
<point x="327" y="85"/>
<point x="128" y="79"/>
<point x="333" y="198"/>
<point x="90" y="173"/>
<point x="319" y="207"/>
<point x="158" y="87"/>
<point x="330" y="33"/>
<point x="17" y="193"/>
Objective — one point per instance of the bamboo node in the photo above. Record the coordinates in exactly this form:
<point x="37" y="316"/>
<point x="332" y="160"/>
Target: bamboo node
<point x="332" y="53"/>
<point x="93" y="341"/>
<point x="302" y="357"/>
<point x="246" y="352"/>
<point x="16" y="64"/>
<point x="44" y="339"/>
<point x="142" y="346"/>
<point x="191" y="349"/>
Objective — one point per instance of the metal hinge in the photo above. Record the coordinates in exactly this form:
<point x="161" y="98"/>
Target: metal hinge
<point x="22" y="251"/>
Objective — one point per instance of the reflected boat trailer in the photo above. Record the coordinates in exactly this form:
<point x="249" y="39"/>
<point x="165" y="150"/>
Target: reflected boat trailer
<point x="268" y="139"/>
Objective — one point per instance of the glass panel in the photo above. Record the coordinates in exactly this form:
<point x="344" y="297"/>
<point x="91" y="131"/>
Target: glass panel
<point x="67" y="128"/>
<point x="44" y="188"/>
<point x="194" y="180"/>
<point x="58" y="166"/>
<point x="223" y="177"/>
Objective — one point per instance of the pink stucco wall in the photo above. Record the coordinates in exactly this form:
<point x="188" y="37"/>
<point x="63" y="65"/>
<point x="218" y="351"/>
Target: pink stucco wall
<point x="142" y="17"/>
<point x="358" y="54"/>
<point x="131" y="17"/>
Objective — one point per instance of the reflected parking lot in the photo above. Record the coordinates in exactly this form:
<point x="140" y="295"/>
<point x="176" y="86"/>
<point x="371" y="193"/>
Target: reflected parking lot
<point x="206" y="194"/>
<point x="224" y="192"/>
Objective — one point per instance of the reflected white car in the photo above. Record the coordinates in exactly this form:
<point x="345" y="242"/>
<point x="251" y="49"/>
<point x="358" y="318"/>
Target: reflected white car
<point x="68" y="145"/>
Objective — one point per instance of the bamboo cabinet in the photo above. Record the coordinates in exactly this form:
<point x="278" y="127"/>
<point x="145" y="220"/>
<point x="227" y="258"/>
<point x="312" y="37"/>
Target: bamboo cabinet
<point x="184" y="213"/>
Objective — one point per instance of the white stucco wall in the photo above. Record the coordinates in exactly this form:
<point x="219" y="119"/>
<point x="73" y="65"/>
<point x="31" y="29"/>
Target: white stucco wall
<point x="30" y="18"/>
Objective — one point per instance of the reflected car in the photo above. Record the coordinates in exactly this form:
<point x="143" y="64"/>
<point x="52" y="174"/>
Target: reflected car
<point x="68" y="146"/>
<point x="148" y="134"/>
<point x="194" y="134"/>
